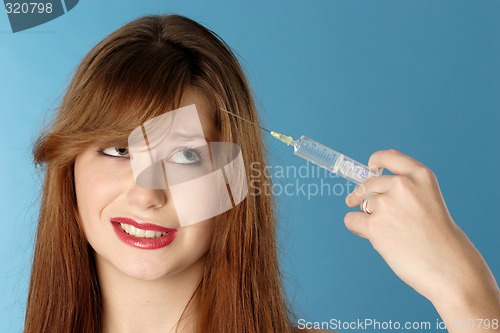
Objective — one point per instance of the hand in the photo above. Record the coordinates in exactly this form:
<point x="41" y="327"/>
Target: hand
<point x="413" y="231"/>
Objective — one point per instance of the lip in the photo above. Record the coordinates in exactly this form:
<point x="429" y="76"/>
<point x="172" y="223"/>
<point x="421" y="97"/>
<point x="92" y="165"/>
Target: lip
<point x="139" y="242"/>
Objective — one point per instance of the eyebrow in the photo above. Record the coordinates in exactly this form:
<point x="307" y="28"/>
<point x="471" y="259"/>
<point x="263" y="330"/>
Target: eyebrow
<point x="185" y="136"/>
<point x="174" y="137"/>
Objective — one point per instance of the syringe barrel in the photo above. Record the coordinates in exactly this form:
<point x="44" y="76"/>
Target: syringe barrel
<point x="332" y="160"/>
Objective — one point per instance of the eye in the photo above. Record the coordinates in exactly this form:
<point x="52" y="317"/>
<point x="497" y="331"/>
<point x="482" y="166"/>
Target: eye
<point x="185" y="156"/>
<point x="115" y="152"/>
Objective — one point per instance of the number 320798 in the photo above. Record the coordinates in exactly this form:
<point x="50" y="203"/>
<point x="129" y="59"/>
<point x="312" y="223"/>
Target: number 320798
<point x="28" y="8"/>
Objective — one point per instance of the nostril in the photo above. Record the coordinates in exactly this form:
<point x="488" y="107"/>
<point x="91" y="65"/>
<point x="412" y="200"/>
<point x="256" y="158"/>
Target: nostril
<point x="146" y="198"/>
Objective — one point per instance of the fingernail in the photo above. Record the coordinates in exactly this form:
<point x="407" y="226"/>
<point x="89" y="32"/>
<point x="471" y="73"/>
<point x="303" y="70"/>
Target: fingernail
<point x="347" y="199"/>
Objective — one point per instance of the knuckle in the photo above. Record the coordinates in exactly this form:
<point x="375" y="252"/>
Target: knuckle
<point x="402" y="182"/>
<point x="360" y="190"/>
<point x="376" y="156"/>
<point x="424" y="173"/>
<point x="392" y="151"/>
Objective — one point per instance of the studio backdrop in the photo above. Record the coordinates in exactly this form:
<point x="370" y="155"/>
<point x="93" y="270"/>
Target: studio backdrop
<point x="422" y="77"/>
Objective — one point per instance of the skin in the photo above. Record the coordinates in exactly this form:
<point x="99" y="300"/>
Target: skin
<point x="413" y="231"/>
<point x="147" y="290"/>
<point x="142" y="290"/>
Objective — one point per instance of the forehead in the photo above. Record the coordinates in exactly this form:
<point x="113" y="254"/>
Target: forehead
<point x="206" y="112"/>
<point x="114" y="122"/>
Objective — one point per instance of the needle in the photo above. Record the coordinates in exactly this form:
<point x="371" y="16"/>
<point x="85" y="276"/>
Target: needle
<point x="248" y="121"/>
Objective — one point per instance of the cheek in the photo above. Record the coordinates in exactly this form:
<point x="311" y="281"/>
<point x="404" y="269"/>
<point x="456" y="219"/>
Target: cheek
<point x="198" y="237"/>
<point x="96" y="187"/>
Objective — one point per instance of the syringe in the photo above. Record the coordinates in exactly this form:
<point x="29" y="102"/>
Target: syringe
<point x="323" y="156"/>
<point x="328" y="158"/>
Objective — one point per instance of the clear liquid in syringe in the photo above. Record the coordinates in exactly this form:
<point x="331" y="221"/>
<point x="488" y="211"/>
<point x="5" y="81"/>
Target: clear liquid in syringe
<point x="328" y="158"/>
<point x="323" y="156"/>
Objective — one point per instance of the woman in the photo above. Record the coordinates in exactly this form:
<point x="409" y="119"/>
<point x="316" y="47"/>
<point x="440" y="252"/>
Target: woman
<point x="219" y="274"/>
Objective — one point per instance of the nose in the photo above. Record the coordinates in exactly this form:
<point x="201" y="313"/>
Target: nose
<point x="145" y="198"/>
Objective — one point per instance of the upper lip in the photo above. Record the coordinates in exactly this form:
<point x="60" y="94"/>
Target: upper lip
<point x="141" y="225"/>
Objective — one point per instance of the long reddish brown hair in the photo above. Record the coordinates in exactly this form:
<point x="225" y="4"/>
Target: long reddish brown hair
<point x="136" y="73"/>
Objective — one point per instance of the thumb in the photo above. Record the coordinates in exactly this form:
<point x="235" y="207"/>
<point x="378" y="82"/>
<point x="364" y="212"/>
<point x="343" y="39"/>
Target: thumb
<point x="357" y="223"/>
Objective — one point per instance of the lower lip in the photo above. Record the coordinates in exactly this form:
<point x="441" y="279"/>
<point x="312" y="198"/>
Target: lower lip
<point x="144" y="243"/>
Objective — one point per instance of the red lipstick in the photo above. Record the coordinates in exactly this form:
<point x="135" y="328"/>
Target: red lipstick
<point x="141" y="241"/>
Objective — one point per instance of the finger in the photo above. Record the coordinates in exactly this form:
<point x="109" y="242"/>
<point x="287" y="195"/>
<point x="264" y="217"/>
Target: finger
<point x="357" y="223"/>
<point x="380" y="184"/>
<point x="371" y="203"/>
<point x="393" y="160"/>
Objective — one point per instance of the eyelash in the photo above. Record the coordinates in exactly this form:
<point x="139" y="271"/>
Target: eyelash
<point x="101" y="151"/>
<point x="196" y="150"/>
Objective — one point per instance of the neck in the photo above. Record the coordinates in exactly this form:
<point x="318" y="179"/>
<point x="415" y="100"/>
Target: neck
<point x="131" y="305"/>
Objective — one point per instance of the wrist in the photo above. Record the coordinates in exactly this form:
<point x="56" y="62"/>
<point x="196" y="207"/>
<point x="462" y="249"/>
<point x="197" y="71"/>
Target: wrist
<point x="474" y="311"/>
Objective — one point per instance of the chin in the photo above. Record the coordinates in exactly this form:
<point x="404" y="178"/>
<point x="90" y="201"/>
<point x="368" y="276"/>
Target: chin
<point x="151" y="271"/>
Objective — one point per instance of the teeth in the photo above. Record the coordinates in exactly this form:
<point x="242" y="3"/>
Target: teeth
<point x="135" y="232"/>
<point x="140" y="233"/>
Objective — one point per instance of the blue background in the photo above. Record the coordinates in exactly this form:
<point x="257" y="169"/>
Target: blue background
<point x="419" y="76"/>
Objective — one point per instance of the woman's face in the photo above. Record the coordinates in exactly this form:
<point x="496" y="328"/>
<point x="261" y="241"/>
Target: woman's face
<point x="114" y="211"/>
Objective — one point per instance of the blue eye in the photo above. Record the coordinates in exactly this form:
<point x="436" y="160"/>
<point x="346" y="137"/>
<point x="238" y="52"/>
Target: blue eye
<point x="115" y="152"/>
<point x="186" y="156"/>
